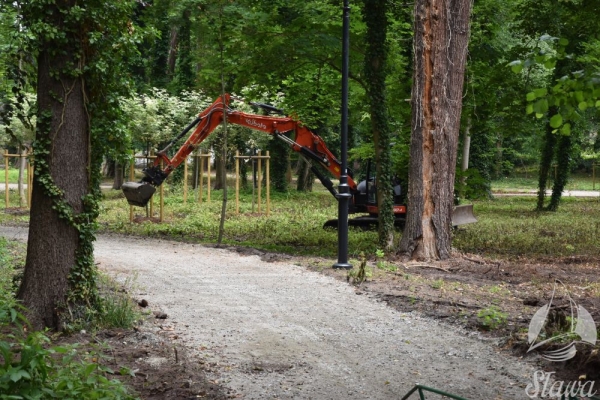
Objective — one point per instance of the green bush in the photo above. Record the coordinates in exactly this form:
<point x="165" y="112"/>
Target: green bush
<point x="491" y="318"/>
<point x="31" y="368"/>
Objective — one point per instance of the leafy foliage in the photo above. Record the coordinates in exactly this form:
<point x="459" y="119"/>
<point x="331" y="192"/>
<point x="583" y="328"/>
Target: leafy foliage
<point x="99" y="36"/>
<point x="491" y="318"/>
<point x="31" y="367"/>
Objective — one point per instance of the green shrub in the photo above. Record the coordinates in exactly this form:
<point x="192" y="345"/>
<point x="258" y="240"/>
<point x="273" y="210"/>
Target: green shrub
<point x="491" y="318"/>
<point x="29" y="369"/>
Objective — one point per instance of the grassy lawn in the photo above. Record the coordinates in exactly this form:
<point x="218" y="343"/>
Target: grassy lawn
<point x="13" y="176"/>
<point x="507" y="227"/>
<point x="530" y="182"/>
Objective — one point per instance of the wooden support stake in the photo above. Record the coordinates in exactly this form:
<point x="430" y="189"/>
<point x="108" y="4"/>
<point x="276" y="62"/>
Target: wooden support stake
<point x="131" y="179"/>
<point x="237" y="181"/>
<point x="185" y="180"/>
<point x="259" y="180"/>
<point x="201" y="180"/>
<point x="6" y="192"/>
<point x="162" y="197"/>
<point x="268" y="185"/>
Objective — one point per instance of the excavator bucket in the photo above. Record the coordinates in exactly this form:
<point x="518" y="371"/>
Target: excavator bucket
<point x="138" y="194"/>
<point x="463" y="215"/>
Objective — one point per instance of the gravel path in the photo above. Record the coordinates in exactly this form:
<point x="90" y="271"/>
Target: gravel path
<point x="275" y="330"/>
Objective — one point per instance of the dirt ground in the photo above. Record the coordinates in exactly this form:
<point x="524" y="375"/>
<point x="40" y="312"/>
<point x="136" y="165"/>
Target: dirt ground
<point x="241" y="323"/>
<point x="459" y="290"/>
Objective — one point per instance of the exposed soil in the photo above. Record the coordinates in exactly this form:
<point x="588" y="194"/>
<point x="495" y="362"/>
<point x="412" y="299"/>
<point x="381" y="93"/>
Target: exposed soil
<point x="241" y="323"/>
<point x="459" y="292"/>
<point x="148" y="360"/>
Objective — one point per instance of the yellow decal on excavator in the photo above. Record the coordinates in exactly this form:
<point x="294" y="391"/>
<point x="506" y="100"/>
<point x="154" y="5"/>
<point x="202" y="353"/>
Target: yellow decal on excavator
<point x="336" y="169"/>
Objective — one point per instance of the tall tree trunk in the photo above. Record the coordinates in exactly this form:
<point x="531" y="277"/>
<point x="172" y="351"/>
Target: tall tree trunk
<point x="545" y="163"/>
<point x="173" y="47"/>
<point x="118" y="180"/>
<point x="185" y="72"/>
<point x="375" y="72"/>
<point x="280" y="154"/>
<point x="305" y="176"/>
<point x="440" y="43"/>
<point x="563" y="161"/>
<point x="53" y="242"/>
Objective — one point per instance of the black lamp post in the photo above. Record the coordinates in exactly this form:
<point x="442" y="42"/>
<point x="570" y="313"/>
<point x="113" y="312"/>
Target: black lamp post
<point x="344" y="190"/>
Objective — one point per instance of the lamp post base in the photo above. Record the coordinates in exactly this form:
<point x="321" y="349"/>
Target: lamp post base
<point x="342" y="266"/>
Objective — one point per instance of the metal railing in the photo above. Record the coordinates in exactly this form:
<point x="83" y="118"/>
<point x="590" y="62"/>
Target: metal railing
<point x="421" y="389"/>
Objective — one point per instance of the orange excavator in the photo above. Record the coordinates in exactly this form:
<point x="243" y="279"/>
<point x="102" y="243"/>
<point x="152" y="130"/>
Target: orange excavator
<point x="305" y="142"/>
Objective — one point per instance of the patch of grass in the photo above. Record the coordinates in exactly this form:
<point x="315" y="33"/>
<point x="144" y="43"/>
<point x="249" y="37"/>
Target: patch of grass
<point x="118" y="309"/>
<point x="510" y="226"/>
<point x="529" y="181"/>
<point x="438" y="284"/>
<point x="13" y="176"/>
<point x="491" y="318"/>
<point x="294" y="225"/>
<point x="382" y="264"/>
<point x="499" y="290"/>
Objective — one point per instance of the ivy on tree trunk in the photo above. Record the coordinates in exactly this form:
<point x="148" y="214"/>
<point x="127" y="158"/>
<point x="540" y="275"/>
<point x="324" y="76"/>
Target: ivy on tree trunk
<point x="563" y="164"/>
<point x="77" y="99"/>
<point x="62" y="153"/>
<point x="375" y="17"/>
<point x="547" y="156"/>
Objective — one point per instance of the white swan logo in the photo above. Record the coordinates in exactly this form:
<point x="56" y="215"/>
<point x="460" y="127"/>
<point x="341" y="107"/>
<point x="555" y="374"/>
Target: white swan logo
<point x="582" y="326"/>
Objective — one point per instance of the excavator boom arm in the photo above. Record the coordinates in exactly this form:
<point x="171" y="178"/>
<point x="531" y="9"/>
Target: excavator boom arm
<point x="307" y="143"/>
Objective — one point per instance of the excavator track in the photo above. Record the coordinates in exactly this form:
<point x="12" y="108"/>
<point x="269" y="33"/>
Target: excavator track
<point x="365" y="223"/>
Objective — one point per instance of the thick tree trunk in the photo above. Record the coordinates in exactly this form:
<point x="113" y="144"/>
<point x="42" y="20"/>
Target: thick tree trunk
<point x="305" y="176"/>
<point x="440" y="42"/>
<point x="563" y="165"/>
<point x="220" y="170"/>
<point x="173" y="47"/>
<point x="280" y="154"/>
<point x="118" y="179"/>
<point x="545" y="164"/>
<point x="53" y="241"/>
